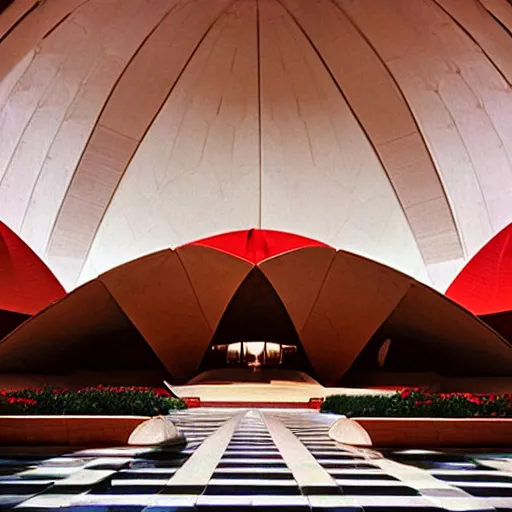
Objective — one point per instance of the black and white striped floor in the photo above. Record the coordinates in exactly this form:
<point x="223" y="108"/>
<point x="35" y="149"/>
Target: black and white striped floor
<point x="263" y="459"/>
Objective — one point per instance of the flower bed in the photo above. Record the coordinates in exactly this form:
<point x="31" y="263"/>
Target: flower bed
<point x="99" y="400"/>
<point x="417" y="403"/>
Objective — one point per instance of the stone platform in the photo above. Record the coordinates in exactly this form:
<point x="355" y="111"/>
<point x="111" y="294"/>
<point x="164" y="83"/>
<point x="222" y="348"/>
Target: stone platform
<point x="267" y="459"/>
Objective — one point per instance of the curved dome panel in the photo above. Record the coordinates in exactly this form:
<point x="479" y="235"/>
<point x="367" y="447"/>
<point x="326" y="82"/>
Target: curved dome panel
<point x="127" y="128"/>
<point x="223" y="273"/>
<point x="26" y="283"/>
<point x="501" y="10"/>
<point x="12" y="12"/>
<point x="24" y="37"/>
<point x="85" y="330"/>
<point x="484" y="286"/>
<point x="387" y="121"/>
<point x="155" y="293"/>
<point x="53" y="108"/>
<point x="357" y="296"/>
<point x="458" y="96"/>
<point x="299" y="295"/>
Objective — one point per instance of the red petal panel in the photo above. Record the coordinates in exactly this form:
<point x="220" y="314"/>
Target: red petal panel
<point x="484" y="285"/>
<point x="256" y="245"/>
<point x="26" y="284"/>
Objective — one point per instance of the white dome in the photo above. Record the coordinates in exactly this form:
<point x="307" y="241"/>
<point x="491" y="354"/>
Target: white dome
<point x="383" y="128"/>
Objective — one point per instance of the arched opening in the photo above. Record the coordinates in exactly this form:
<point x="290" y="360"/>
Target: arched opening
<point x="255" y="334"/>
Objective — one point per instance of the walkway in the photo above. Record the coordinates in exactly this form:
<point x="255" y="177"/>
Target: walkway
<point x="269" y="459"/>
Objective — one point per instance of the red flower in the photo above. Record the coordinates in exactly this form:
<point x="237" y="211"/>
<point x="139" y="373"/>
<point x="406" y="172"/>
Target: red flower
<point x="21" y="401"/>
<point x="405" y="393"/>
<point x="494" y="414"/>
<point x="59" y="391"/>
<point x="428" y="402"/>
<point x="417" y="404"/>
<point x="160" y="392"/>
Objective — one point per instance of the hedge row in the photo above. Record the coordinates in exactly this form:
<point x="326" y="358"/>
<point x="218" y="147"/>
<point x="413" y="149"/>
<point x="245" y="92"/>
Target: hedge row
<point x="99" y="400"/>
<point x="417" y="403"/>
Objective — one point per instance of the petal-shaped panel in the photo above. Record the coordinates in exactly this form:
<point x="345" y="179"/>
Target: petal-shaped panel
<point x="459" y="98"/>
<point x="12" y="12"/>
<point x="215" y="277"/>
<point x="355" y="299"/>
<point x="320" y="174"/>
<point x="54" y="96"/>
<point x="195" y="172"/>
<point x="150" y="77"/>
<point x="447" y="338"/>
<point x="297" y="276"/>
<point x="50" y="87"/>
<point x="26" y="284"/>
<point x="257" y="245"/>
<point x="155" y="293"/>
<point x="386" y="119"/>
<point x="39" y="23"/>
<point x="55" y="339"/>
<point x="484" y="286"/>
<point x="501" y="10"/>
<point x="495" y="42"/>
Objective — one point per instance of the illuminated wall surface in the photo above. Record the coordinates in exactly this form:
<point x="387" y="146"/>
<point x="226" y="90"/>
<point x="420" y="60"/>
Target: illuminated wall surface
<point x="379" y="127"/>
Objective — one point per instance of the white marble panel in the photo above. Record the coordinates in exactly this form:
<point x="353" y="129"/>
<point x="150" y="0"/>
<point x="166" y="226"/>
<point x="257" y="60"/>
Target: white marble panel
<point x="117" y="39"/>
<point x="462" y="105"/>
<point x="64" y="153"/>
<point x="8" y="83"/>
<point x="196" y="172"/>
<point x="82" y="50"/>
<point x="24" y="98"/>
<point x="37" y="25"/>
<point x="321" y="177"/>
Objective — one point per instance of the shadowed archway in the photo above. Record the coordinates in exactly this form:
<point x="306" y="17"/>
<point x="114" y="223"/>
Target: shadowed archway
<point x="256" y="313"/>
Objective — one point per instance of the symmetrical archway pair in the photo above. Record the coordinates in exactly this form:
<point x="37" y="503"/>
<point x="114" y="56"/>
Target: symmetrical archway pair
<point x="336" y="301"/>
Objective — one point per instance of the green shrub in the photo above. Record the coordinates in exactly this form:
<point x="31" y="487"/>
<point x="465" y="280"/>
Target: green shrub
<point x="417" y="403"/>
<point x="100" y="400"/>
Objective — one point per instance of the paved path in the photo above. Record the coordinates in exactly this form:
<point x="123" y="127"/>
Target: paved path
<point x="269" y="459"/>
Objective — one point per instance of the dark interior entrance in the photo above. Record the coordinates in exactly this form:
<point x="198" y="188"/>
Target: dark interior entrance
<point x="256" y="331"/>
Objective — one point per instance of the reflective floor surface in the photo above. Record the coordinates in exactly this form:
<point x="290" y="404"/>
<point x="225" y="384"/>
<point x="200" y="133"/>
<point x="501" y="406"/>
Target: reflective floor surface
<point x="266" y="460"/>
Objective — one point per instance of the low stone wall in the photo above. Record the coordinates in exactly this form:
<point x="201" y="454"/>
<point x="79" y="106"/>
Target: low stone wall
<point x="424" y="432"/>
<point x="67" y="430"/>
